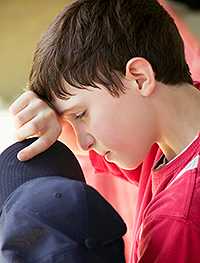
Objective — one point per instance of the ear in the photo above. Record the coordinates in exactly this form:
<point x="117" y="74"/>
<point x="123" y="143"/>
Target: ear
<point x="140" y="70"/>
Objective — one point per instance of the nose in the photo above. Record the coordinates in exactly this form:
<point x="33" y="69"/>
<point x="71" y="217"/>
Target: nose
<point x="85" y="141"/>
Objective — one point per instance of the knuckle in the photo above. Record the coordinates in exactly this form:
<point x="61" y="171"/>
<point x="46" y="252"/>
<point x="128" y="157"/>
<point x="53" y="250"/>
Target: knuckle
<point x="36" y="126"/>
<point x="50" y="115"/>
<point x="30" y="94"/>
<point x="12" y="108"/>
<point x="39" y="103"/>
<point x="51" y="112"/>
<point x="19" y="118"/>
<point x="46" y="142"/>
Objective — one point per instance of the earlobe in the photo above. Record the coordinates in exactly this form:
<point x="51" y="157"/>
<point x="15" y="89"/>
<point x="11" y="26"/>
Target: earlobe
<point x="140" y="70"/>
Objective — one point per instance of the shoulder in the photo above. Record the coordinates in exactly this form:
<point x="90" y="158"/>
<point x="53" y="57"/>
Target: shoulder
<point x="171" y="222"/>
<point x="178" y="196"/>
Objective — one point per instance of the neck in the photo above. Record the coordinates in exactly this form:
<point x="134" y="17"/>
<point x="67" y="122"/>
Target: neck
<point x="178" y="116"/>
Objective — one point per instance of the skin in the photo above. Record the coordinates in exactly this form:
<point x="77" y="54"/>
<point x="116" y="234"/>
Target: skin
<point x="100" y="126"/>
<point x="33" y="117"/>
<point x="122" y="129"/>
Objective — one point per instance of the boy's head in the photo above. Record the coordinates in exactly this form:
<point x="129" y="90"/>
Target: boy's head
<point x="94" y="47"/>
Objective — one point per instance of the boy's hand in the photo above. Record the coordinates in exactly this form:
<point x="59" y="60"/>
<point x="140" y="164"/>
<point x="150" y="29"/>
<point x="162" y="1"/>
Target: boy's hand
<point x="33" y="117"/>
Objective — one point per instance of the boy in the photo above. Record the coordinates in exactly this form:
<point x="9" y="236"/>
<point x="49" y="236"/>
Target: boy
<point x="116" y="70"/>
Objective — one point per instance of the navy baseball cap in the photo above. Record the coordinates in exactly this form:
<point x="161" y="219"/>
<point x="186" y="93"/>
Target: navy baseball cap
<point x="58" y="159"/>
<point x="55" y="218"/>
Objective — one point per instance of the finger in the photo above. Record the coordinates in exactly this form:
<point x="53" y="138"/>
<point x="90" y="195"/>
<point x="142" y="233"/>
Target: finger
<point x="31" y="111"/>
<point x="21" y="102"/>
<point x="34" y="127"/>
<point x="37" y="147"/>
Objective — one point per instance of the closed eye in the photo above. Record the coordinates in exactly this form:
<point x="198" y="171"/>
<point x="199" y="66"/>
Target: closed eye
<point x="80" y="115"/>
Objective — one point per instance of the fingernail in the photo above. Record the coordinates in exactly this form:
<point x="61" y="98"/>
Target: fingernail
<point x="21" y="156"/>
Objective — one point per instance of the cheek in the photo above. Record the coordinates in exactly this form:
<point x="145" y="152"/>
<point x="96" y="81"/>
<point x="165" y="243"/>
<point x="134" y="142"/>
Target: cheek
<point x="103" y="128"/>
<point x="129" y="139"/>
<point x="138" y="139"/>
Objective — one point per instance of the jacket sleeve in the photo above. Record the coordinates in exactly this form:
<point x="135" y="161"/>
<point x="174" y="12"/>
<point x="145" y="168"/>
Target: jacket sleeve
<point x="169" y="239"/>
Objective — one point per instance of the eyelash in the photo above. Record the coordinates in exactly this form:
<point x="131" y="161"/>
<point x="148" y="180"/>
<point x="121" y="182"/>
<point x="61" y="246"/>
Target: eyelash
<point x="81" y="115"/>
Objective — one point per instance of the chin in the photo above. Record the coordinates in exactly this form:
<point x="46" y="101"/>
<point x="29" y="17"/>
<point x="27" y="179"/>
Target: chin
<point x="127" y="165"/>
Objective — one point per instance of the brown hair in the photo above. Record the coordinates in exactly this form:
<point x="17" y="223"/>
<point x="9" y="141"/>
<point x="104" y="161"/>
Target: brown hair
<point x="91" y="41"/>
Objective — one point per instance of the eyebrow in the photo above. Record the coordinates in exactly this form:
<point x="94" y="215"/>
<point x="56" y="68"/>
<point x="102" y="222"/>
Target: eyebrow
<point x="70" y="109"/>
<point x="67" y="111"/>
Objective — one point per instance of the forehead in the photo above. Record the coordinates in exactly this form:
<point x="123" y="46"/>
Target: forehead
<point x="77" y="96"/>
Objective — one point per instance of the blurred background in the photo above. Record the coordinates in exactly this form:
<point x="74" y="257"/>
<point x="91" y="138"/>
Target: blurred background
<point x="21" y="24"/>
